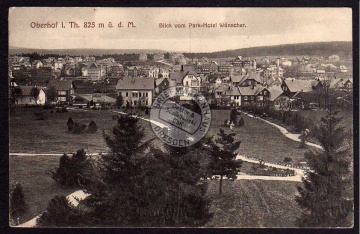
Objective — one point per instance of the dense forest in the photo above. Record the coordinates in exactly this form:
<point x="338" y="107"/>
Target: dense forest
<point x="342" y="48"/>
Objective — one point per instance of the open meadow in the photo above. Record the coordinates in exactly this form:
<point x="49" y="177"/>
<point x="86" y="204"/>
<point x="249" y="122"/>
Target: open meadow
<point x="245" y="203"/>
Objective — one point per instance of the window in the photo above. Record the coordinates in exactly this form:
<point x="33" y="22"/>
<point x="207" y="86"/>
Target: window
<point x="187" y="83"/>
<point x="146" y="94"/>
<point x="62" y="92"/>
<point x="135" y="94"/>
<point x="245" y="98"/>
<point x="252" y="97"/>
<point x="127" y="94"/>
<point x="62" y="99"/>
<point x="139" y="94"/>
<point x="146" y="102"/>
<point x="260" y="98"/>
<point x="265" y="92"/>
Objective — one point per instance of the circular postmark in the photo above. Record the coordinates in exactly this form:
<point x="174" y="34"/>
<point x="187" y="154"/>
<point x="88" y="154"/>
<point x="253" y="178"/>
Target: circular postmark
<point x="180" y="116"/>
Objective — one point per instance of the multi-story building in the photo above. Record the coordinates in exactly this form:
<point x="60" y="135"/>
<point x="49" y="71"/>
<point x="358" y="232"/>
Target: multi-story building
<point x="136" y="90"/>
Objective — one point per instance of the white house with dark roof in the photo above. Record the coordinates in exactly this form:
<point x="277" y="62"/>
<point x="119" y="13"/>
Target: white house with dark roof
<point x="27" y="99"/>
<point x="234" y="94"/>
<point x="94" y="71"/>
<point x="186" y="77"/>
<point x="136" y="89"/>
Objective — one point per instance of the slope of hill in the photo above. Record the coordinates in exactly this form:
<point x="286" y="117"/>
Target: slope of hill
<point x="81" y="51"/>
<point x="341" y="48"/>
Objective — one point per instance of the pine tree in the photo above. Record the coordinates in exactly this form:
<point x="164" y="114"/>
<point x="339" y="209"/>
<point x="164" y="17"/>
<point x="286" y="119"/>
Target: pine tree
<point x="223" y="157"/>
<point x="70" y="124"/>
<point x="34" y="92"/>
<point x="60" y="213"/>
<point x="144" y="186"/>
<point x="185" y="197"/>
<point x="119" y="196"/>
<point x="326" y="196"/>
<point x="119" y="101"/>
<point x="18" y="204"/>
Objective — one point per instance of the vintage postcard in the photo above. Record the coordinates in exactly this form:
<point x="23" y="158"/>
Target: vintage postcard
<point x="181" y="117"/>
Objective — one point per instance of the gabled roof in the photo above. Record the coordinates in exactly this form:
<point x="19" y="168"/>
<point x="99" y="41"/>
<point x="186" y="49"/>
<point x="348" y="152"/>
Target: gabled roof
<point x="135" y="83"/>
<point x="256" y="76"/>
<point x="251" y="90"/>
<point x="97" y="98"/>
<point x="275" y="92"/>
<point x="233" y="91"/>
<point x="177" y="76"/>
<point x="238" y="78"/>
<point x="60" y="84"/>
<point x="222" y="88"/>
<point x="26" y="90"/>
<point x="92" y="66"/>
<point x="159" y="81"/>
<point x="300" y="85"/>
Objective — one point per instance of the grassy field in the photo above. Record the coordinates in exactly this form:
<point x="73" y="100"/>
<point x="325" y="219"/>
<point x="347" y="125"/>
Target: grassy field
<point x="39" y="187"/>
<point x="259" y="139"/>
<point x="51" y="135"/>
<point x="253" y="203"/>
<point x="347" y="116"/>
<point x="243" y="202"/>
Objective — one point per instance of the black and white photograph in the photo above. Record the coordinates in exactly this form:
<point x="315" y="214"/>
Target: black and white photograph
<point x="238" y="117"/>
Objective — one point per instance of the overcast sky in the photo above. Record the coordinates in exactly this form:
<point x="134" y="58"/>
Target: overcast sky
<point x="264" y="26"/>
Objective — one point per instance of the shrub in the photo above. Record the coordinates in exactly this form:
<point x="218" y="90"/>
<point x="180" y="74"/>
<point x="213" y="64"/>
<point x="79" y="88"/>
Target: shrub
<point x="147" y="111"/>
<point x="73" y="171"/>
<point x="48" y="106"/>
<point x="70" y="124"/>
<point x="18" y="204"/>
<point x="59" y="213"/>
<point x="92" y="128"/>
<point x="241" y="122"/>
<point x="287" y="159"/>
<point x="40" y="115"/>
<point x="83" y="127"/>
<point x="78" y="128"/>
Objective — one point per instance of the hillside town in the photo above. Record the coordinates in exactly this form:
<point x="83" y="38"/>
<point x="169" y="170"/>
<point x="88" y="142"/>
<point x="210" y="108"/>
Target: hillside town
<point x="182" y="117"/>
<point x="281" y="82"/>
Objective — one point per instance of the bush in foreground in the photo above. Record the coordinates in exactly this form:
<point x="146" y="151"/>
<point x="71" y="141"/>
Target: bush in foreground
<point x="73" y="171"/>
<point x="18" y="205"/>
<point x="59" y="213"/>
<point x="92" y="128"/>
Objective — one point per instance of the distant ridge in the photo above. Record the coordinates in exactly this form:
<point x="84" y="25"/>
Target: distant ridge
<point x="82" y="51"/>
<point x="342" y="48"/>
